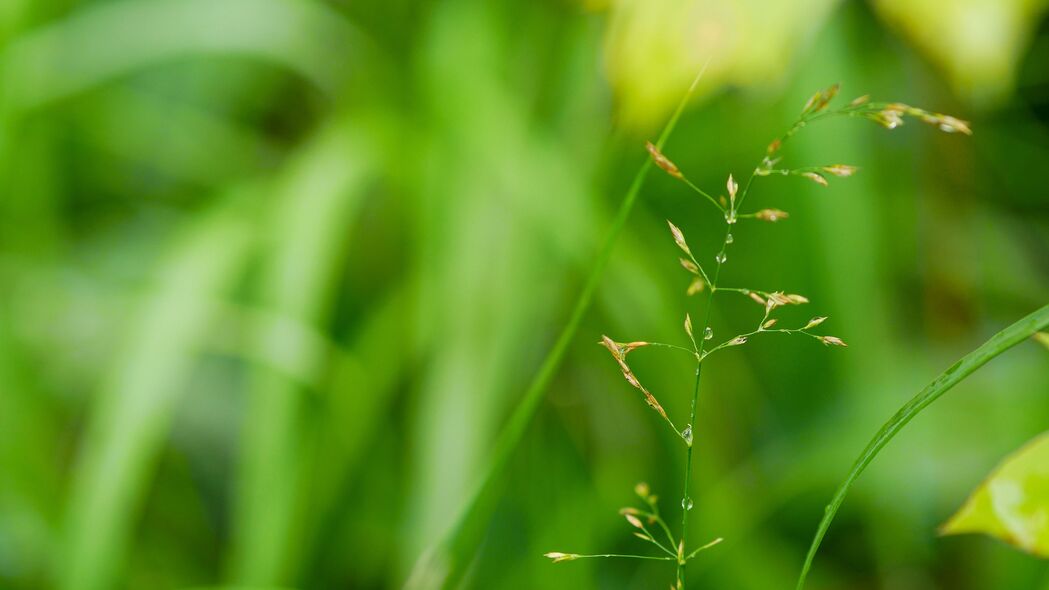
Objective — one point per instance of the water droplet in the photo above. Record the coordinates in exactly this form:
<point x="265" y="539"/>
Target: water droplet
<point x="708" y="334"/>
<point x="687" y="435"/>
<point x="721" y="258"/>
<point x="729" y="239"/>
<point x="686" y="503"/>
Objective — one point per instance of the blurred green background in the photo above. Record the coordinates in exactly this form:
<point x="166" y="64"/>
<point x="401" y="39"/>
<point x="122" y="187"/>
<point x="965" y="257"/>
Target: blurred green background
<point x="273" y="273"/>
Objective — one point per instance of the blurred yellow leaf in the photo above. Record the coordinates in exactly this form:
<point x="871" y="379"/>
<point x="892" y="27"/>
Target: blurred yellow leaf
<point x="1013" y="503"/>
<point x="978" y="43"/>
<point x="654" y="48"/>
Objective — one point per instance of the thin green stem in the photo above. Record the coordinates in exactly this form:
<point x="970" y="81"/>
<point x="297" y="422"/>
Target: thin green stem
<point x="458" y="543"/>
<point x="652" y="539"/>
<point x="674" y="346"/>
<point x="653" y="557"/>
<point x="692" y="414"/>
<point x="703" y="193"/>
<point x="662" y="523"/>
<point x="701" y="548"/>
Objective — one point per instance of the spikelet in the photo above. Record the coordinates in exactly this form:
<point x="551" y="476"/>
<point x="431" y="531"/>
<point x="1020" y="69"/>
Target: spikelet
<point x="695" y="286"/>
<point x="814" y="322"/>
<point x="772" y="215"/>
<point x="557" y="556"/>
<point x="679" y="238"/>
<point x="841" y="170"/>
<point x="832" y="340"/>
<point x="663" y="162"/>
<point x="815" y="177"/>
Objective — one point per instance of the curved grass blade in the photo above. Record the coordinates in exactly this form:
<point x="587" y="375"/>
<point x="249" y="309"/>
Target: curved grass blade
<point x="442" y="564"/>
<point x="140" y="34"/>
<point x="999" y="343"/>
<point x="129" y="419"/>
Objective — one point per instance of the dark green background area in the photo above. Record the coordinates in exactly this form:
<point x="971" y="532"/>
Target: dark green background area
<point x="273" y="274"/>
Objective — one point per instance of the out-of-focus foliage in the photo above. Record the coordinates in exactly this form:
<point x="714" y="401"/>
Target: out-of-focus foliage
<point x="1012" y="504"/>
<point x="653" y="48"/>
<point x="978" y="43"/>
<point x="274" y="272"/>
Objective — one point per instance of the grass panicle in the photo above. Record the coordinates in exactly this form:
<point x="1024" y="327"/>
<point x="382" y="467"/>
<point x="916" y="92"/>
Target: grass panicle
<point x="706" y="279"/>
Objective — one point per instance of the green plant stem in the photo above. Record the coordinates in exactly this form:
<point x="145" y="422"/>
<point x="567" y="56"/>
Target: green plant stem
<point x="692" y="413"/>
<point x="456" y="545"/>
<point x="999" y="343"/>
<point x="653" y="557"/>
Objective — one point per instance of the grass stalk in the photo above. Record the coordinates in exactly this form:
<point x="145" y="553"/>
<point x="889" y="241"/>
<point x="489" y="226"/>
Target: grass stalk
<point x="453" y="549"/>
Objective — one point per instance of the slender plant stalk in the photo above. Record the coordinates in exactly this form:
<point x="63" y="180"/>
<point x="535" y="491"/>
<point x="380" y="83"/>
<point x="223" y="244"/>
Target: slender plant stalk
<point x="511" y="435"/>
<point x="890" y="115"/>
<point x="999" y="343"/>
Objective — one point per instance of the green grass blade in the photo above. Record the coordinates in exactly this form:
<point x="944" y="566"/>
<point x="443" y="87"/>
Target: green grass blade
<point x="999" y="343"/>
<point x="442" y="565"/>
<point x="130" y="417"/>
<point x="301" y="36"/>
<point x="316" y="199"/>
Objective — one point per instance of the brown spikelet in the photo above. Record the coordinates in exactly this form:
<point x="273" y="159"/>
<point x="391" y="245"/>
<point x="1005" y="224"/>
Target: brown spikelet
<point x="833" y="340"/>
<point x="772" y="215"/>
<point x="860" y="100"/>
<point x="557" y="556"/>
<point x="814" y="322"/>
<point x="679" y="238"/>
<point x="841" y="170"/>
<point x="689" y="266"/>
<point x="774" y="146"/>
<point x="815" y="177"/>
<point x="756" y="298"/>
<point x="662" y="161"/>
<point x="695" y="286"/>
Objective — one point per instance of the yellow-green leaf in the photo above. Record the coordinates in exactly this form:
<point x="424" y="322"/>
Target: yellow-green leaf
<point x="1013" y="503"/>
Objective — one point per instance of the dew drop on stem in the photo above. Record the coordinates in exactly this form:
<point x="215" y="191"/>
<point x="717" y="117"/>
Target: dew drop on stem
<point x="686" y="503"/>
<point x="708" y="334"/>
<point x="729" y="239"/>
<point x="687" y="435"/>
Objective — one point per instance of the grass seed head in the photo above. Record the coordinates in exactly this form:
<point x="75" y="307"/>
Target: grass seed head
<point x="833" y="340"/>
<point x="772" y="215"/>
<point x="663" y="162"/>
<point x="695" y="286"/>
<point x="634" y="521"/>
<point x="814" y="322"/>
<point x="689" y="266"/>
<point x="815" y="177"/>
<point x="679" y="238"/>
<point x="841" y="170"/>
